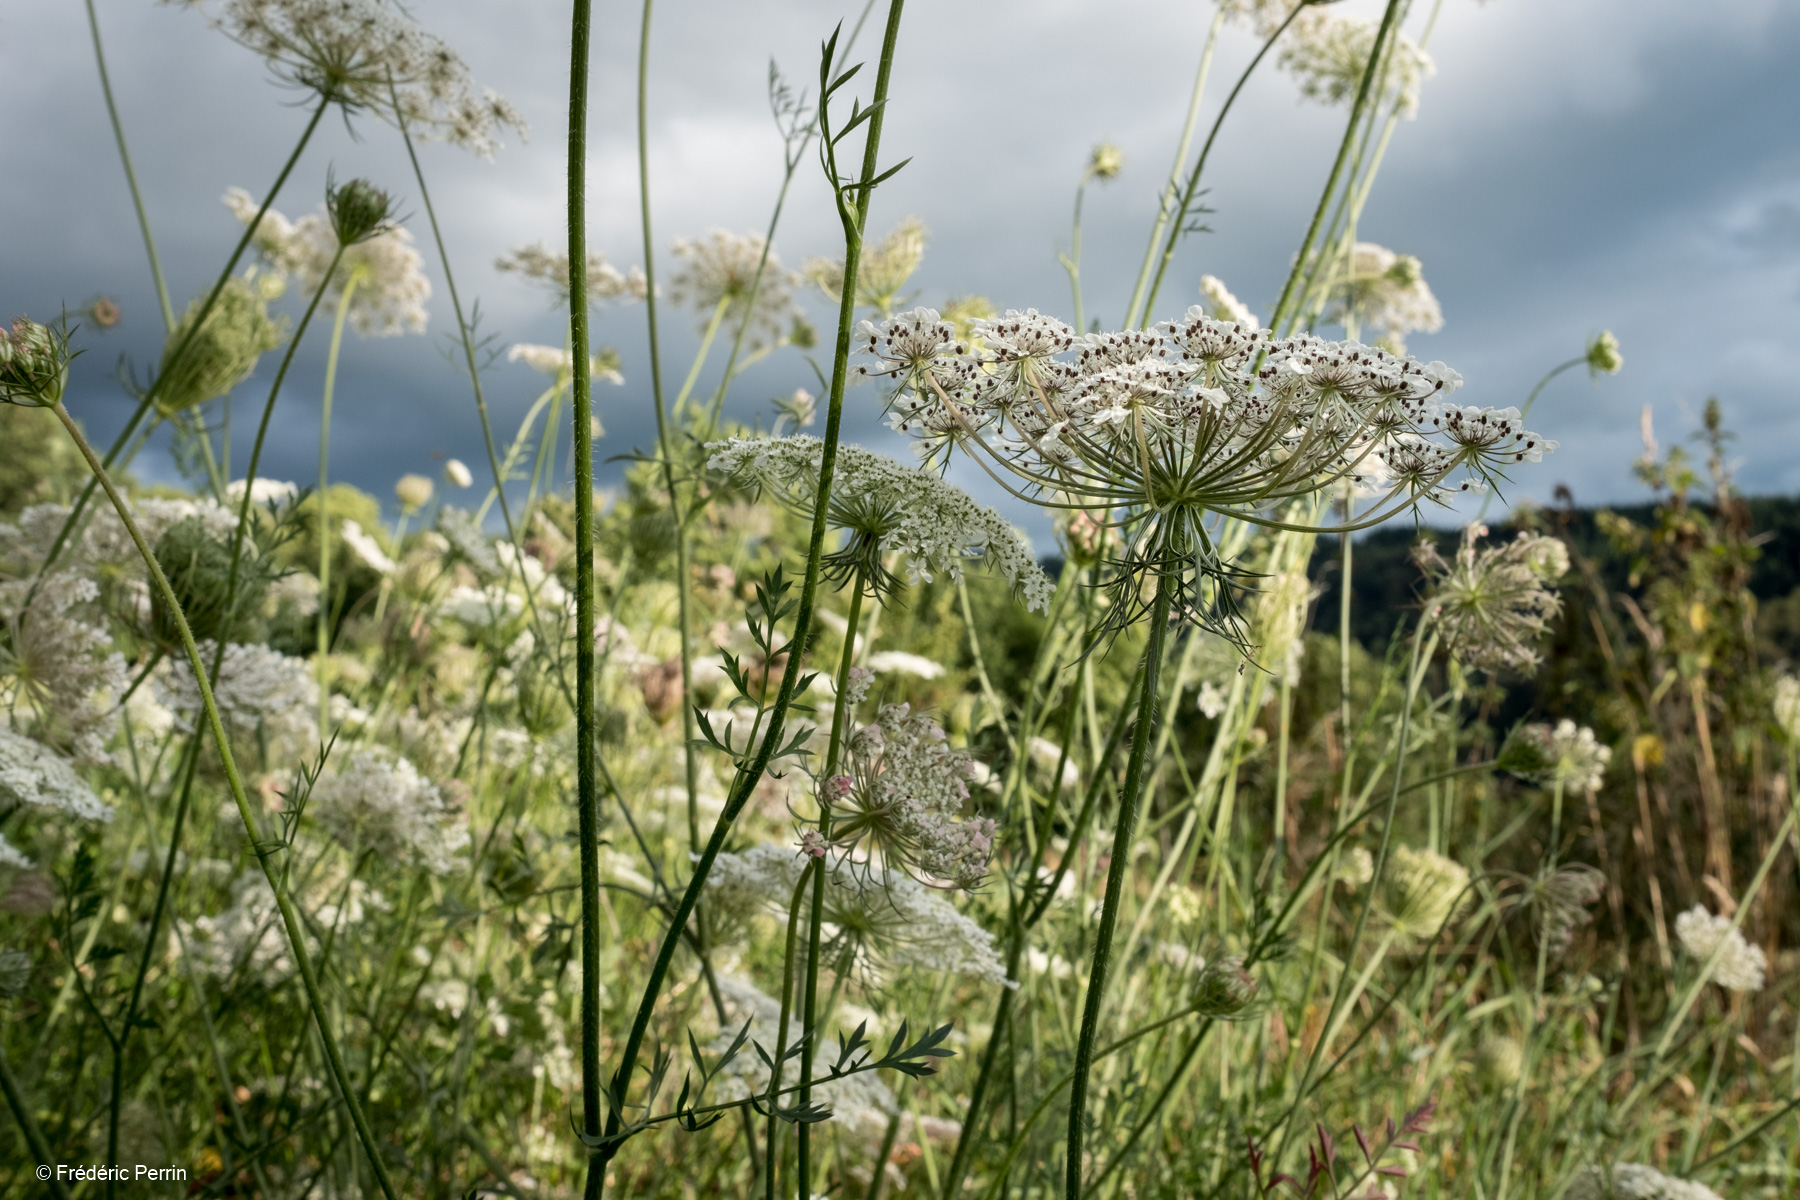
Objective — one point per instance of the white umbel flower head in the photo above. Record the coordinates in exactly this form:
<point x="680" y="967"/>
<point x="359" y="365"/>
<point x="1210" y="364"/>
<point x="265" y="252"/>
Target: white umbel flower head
<point x="720" y="269"/>
<point x="1634" y="1181"/>
<point x="1327" y="53"/>
<point x="549" y="269"/>
<point x="1787" y="707"/>
<point x="1420" y="890"/>
<point x="902" y="800"/>
<point x="1740" y="967"/>
<point x="900" y="662"/>
<point x="57" y="667"/>
<point x="1386" y="292"/>
<point x="881" y="272"/>
<point x="379" y="802"/>
<point x="1565" y="753"/>
<point x="33" y="774"/>
<point x="1493" y="606"/>
<point x="854" y="1099"/>
<point x="388" y="273"/>
<point x="559" y="365"/>
<point x="1221" y="305"/>
<point x="884" y="506"/>
<point x="885" y="919"/>
<point x="364" y="54"/>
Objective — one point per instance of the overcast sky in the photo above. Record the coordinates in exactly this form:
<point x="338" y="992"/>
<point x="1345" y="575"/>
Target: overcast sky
<point x="1622" y="164"/>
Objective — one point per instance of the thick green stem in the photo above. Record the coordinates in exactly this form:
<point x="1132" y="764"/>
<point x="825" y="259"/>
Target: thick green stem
<point x="772" y="1154"/>
<point x="265" y="851"/>
<point x="1124" y="829"/>
<point x="587" y="791"/>
<point x="748" y="776"/>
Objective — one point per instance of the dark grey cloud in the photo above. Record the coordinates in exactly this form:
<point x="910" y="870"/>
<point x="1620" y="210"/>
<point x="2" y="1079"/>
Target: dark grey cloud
<point x="1629" y="164"/>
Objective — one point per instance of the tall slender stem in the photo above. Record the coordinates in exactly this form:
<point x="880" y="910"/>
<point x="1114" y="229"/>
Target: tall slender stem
<point x="137" y="198"/>
<point x="181" y="347"/>
<point x="1281" y="311"/>
<point x="1124" y="828"/>
<point x="265" y="850"/>
<point x="587" y="792"/>
<point x="809" y="1013"/>
<point x="1165" y="203"/>
<point x="748" y="776"/>
<point x="323" y="502"/>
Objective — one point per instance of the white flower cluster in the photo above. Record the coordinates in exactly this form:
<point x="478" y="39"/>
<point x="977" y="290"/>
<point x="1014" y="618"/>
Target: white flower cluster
<point x="248" y="937"/>
<point x="1741" y="965"/>
<point x="104" y="548"/>
<point x="1327" y="54"/>
<point x="849" y="1099"/>
<point x="550" y="269"/>
<point x="1570" y="754"/>
<point x="1193" y="415"/>
<point x="1787" y="707"/>
<point x="886" y="918"/>
<point x="1384" y="291"/>
<point x="257" y="688"/>
<point x="365" y="54"/>
<point x="34" y="775"/>
<point x="1221" y="305"/>
<point x="891" y="507"/>
<point x="382" y="803"/>
<point x="391" y="288"/>
<point x="1634" y="1181"/>
<point x="720" y="268"/>
<point x="903" y="798"/>
<point x="57" y="667"/>
<point x="1420" y="890"/>
<point x="1493" y="605"/>
<point x="560" y="364"/>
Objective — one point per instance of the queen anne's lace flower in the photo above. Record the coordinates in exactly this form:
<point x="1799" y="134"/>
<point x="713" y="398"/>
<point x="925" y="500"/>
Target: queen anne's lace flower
<point x="390" y="284"/>
<point x="1420" y="890"/>
<point x="33" y="774"/>
<point x="1492" y="606"/>
<point x="1221" y="305"/>
<point x="881" y="272"/>
<point x="1566" y="754"/>
<point x="883" y="919"/>
<point x="364" y="54"/>
<point x="720" y="269"/>
<point x="1384" y="291"/>
<point x="560" y="364"/>
<point x="58" y="668"/>
<point x="1166" y="429"/>
<point x="902" y="801"/>
<point x="1634" y="1181"/>
<point x="256" y="686"/>
<point x="248" y="937"/>
<point x="900" y="662"/>
<point x="885" y="506"/>
<point x="1741" y="965"/>
<point x="382" y="803"/>
<point x="849" y="1099"/>
<point x="549" y="269"/>
<point x="1327" y="53"/>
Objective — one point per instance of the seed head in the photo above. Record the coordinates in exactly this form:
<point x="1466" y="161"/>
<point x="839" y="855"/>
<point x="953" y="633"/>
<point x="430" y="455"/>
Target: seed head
<point x="1224" y="989"/>
<point x="224" y="352"/>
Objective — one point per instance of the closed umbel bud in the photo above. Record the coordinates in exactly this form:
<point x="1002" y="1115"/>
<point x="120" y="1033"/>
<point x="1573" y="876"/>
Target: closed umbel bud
<point x="359" y="211"/>
<point x="34" y="364"/>
<point x="413" y="492"/>
<point x="1224" y="989"/>
<point x="1603" y="357"/>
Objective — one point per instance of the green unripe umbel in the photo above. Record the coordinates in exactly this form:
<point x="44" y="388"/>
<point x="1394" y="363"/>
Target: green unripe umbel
<point x="359" y="211"/>
<point x="237" y="332"/>
<point x="34" y="364"/>
<point x="199" y="569"/>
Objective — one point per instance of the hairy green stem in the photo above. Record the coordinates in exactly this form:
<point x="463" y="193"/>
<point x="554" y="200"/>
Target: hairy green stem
<point x="748" y="776"/>
<point x="1125" y="827"/>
